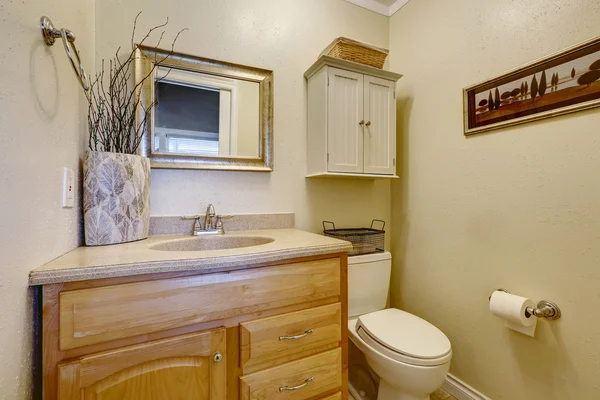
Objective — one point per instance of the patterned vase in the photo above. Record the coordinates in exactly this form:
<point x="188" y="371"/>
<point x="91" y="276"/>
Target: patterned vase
<point x="116" y="197"/>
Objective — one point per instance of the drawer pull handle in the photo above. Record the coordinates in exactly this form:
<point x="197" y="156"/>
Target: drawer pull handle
<point x="297" y="336"/>
<point x="305" y="384"/>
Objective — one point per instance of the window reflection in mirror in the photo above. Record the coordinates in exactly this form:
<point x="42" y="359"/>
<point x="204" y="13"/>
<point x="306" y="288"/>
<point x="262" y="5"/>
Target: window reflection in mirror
<point x="203" y="114"/>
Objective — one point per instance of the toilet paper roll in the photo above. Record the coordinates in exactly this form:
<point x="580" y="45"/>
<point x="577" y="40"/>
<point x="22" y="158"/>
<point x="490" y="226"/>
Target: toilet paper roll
<point x="512" y="309"/>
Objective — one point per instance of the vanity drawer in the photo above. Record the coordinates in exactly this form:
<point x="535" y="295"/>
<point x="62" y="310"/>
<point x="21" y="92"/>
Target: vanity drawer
<point x="337" y="396"/>
<point x="287" y="337"/>
<point x="101" y="314"/>
<point x="310" y="376"/>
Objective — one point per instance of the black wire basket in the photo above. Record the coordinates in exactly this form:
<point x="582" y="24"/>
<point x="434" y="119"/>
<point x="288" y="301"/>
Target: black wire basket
<point x="364" y="240"/>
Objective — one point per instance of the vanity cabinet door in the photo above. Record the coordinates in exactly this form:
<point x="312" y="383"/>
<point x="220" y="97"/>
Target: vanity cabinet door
<point x="179" y="368"/>
<point x="380" y="126"/>
<point x="345" y="112"/>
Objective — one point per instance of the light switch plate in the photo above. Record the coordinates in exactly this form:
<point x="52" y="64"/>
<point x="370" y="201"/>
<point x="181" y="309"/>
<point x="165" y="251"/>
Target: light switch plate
<point x="68" y="198"/>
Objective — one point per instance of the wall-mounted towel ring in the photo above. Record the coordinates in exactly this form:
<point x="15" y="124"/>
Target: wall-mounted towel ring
<point x="50" y="35"/>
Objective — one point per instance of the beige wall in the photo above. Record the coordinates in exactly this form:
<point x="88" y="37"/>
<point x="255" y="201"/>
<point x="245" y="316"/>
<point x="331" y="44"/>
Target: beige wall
<point x="41" y="131"/>
<point x="286" y="37"/>
<point x="515" y="209"/>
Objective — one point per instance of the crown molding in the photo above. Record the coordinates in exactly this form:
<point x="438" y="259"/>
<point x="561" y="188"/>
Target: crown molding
<point x="372" y="5"/>
<point x="396" y="6"/>
<point x="378" y="7"/>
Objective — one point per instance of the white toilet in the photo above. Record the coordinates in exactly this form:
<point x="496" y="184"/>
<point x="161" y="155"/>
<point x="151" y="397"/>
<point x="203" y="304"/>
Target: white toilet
<point x="410" y="355"/>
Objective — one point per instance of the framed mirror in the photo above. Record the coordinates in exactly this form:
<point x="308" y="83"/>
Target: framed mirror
<point x="205" y="114"/>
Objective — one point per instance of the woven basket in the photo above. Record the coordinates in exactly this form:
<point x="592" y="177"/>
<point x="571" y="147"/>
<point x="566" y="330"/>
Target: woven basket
<point x="358" y="52"/>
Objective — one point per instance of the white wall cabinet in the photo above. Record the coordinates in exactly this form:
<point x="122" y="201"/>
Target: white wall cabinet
<point x="351" y="121"/>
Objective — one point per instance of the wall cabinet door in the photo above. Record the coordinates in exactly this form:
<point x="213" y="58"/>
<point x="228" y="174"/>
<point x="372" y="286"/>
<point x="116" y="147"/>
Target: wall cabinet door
<point x="380" y="126"/>
<point x="344" y="116"/>
<point x="179" y="368"/>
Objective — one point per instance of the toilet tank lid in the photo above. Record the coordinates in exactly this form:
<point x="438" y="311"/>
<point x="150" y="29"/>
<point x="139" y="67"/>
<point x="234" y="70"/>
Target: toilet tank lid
<point x="405" y="333"/>
<point x="367" y="258"/>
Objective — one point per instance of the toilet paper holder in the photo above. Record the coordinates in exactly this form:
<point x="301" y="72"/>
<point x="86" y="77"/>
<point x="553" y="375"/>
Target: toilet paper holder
<point x="545" y="308"/>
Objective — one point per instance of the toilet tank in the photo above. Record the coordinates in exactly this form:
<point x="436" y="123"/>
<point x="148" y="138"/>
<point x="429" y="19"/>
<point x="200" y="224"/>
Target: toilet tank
<point x="368" y="282"/>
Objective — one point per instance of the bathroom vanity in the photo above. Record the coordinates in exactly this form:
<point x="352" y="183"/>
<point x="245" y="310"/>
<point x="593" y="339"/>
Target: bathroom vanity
<point x="156" y="319"/>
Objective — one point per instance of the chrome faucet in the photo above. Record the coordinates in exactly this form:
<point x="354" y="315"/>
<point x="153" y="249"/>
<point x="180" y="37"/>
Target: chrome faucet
<point x="213" y="224"/>
<point x="208" y="217"/>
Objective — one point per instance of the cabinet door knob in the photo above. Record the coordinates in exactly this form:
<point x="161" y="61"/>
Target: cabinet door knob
<point x="368" y="123"/>
<point x="305" y="384"/>
<point x="218" y="357"/>
<point x="362" y="122"/>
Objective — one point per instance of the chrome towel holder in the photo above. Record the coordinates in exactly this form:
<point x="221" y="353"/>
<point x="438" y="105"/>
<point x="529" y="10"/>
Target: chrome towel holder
<point x="545" y="308"/>
<point x="50" y="34"/>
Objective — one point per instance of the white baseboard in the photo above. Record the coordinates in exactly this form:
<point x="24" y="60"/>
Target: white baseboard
<point x="461" y="390"/>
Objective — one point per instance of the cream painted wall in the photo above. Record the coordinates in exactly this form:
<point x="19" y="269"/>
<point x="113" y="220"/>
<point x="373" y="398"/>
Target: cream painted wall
<point x="515" y="209"/>
<point x="286" y="37"/>
<point x="42" y="129"/>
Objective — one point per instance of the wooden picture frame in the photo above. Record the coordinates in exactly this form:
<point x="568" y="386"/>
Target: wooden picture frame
<point x="562" y="83"/>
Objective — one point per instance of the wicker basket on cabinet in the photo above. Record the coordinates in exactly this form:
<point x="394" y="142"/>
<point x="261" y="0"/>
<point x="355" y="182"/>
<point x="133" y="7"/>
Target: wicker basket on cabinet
<point x="358" y="52"/>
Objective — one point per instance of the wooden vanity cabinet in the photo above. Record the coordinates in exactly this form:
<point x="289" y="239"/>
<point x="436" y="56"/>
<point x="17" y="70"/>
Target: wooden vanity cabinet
<point x="271" y="331"/>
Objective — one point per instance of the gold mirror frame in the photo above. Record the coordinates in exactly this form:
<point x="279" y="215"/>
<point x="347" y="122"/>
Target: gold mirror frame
<point x="147" y="57"/>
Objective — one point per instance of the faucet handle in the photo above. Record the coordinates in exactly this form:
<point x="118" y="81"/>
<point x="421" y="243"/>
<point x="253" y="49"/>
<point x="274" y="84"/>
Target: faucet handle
<point x="219" y="224"/>
<point x="197" y="224"/>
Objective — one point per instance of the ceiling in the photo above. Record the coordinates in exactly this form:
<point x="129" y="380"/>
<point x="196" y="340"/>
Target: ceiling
<point x="384" y="7"/>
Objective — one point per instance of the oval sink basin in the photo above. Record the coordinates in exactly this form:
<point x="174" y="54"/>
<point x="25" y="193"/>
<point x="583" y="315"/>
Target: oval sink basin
<point x="210" y="243"/>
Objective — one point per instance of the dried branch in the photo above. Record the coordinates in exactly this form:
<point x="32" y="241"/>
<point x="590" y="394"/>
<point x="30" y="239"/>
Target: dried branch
<point x="112" y="100"/>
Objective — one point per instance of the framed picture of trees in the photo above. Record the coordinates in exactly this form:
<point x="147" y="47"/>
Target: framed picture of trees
<point x="561" y="83"/>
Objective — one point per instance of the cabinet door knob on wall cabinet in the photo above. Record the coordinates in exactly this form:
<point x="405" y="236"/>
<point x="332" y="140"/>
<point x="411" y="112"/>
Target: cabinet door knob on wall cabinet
<point x="218" y="357"/>
<point x="296" y="337"/>
<point x="362" y="122"/>
<point x="368" y="123"/>
<point x="305" y="384"/>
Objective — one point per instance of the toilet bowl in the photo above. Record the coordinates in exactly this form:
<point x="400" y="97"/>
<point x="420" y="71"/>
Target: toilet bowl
<point x="410" y="355"/>
<point x="403" y="376"/>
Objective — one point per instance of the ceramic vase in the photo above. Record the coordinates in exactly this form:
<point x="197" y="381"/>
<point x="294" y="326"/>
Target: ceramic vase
<point x="116" y="197"/>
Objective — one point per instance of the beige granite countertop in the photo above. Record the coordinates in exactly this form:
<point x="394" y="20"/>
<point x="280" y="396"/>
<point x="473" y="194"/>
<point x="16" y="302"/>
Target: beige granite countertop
<point x="137" y="258"/>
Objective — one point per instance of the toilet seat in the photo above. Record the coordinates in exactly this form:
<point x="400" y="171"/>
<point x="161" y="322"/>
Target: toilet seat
<point x="404" y="337"/>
